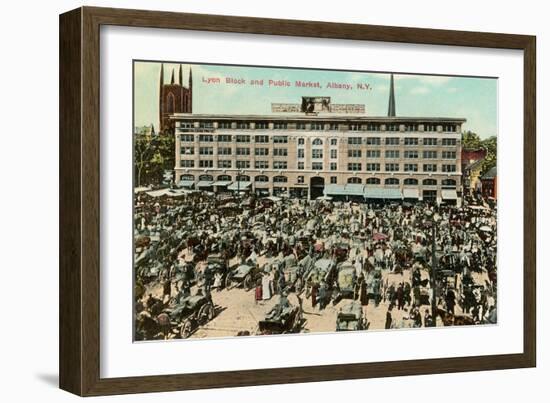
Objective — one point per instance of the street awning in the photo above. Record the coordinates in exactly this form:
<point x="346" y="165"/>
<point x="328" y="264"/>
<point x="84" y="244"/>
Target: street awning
<point x="204" y="184"/>
<point x="185" y="183"/>
<point x="335" y="190"/>
<point x="158" y="193"/>
<point x="448" y="194"/>
<point x="412" y="193"/>
<point x="239" y="185"/>
<point x="382" y="193"/>
<point x="354" y="189"/>
<point x="221" y="183"/>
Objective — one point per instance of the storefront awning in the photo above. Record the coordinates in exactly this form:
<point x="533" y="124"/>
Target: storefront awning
<point x="185" y="183"/>
<point x="411" y="193"/>
<point x="335" y="190"/>
<point x="221" y="183"/>
<point x="239" y="185"/>
<point x="204" y="184"/>
<point x="448" y="194"/>
<point x="351" y="189"/>
<point x="382" y="193"/>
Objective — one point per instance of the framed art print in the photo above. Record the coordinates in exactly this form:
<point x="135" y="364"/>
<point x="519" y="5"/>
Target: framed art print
<point x="250" y="201"/>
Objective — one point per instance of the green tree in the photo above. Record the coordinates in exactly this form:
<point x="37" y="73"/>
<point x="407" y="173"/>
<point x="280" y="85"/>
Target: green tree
<point x="470" y="140"/>
<point x="152" y="156"/>
<point x="490" y="144"/>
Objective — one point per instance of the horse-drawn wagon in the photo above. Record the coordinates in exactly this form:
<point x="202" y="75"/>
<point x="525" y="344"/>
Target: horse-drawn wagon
<point x="351" y="317"/>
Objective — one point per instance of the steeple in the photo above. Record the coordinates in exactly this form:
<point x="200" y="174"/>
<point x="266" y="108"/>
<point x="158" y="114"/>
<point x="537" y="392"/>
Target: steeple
<point x="161" y="81"/>
<point x="180" y="77"/>
<point x="391" y="102"/>
<point x="190" y="78"/>
<point x="172" y="79"/>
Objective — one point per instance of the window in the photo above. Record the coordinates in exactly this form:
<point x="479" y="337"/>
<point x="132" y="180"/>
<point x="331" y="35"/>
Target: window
<point x="334" y="126"/>
<point x="449" y="128"/>
<point x="224" y="125"/>
<point x="206" y="125"/>
<point x="410" y="182"/>
<point x="373" y="127"/>
<point x="316" y="153"/>
<point x="430" y="141"/>
<point x="206" y="164"/>
<point x="243" y="164"/>
<point x="333" y="154"/>
<point x="354" y="127"/>
<point x="429" y="154"/>
<point x="187" y="150"/>
<point x="224" y="164"/>
<point x="261" y="139"/>
<point x="261" y="164"/>
<point x="448" y="182"/>
<point x="206" y="137"/>
<point x="242" y="178"/>
<point x="354" y="179"/>
<point x="300" y="126"/>
<point x="392" y="154"/>
<point x="317" y="126"/>
<point x="301" y="141"/>
<point x="333" y="142"/>
<point x="373" y="153"/>
<point x="300" y="179"/>
<point x="317" y="166"/>
<point x="187" y="137"/>
<point x="392" y="141"/>
<point x="333" y="166"/>
<point x="391" y="181"/>
<point x="206" y="178"/>
<point x="301" y="165"/>
<point x="354" y="140"/>
<point x="223" y="178"/>
<point x="373" y="141"/>
<point x="186" y="125"/>
<point x="448" y="142"/>
<point x="429" y="182"/>
<point x="301" y="153"/>
<point x="353" y="153"/>
<point x="448" y="155"/>
<point x="224" y="150"/>
<point x="280" y="139"/>
<point x="242" y="151"/>
<point x="206" y="150"/>
<point x="280" y="164"/>
<point x="373" y="167"/>
<point x="429" y="167"/>
<point x="410" y="154"/>
<point x="372" y="181"/>
<point x="261" y="178"/>
<point x="411" y="127"/>
<point x="354" y="166"/>
<point x="448" y="168"/>
<point x="242" y="138"/>
<point x="261" y="151"/>
<point x="280" y="152"/>
<point x="392" y="127"/>
<point x="280" y="125"/>
<point x="333" y="180"/>
<point x="411" y="167"/>
<point x="280" y="179"/>
<point x="187" y="163"/>
<point x="224" y="138"/>
<point x="242" y="125"/>
<point x="430" y="127"/>
<point x="261" y="125"/>
<point x="317" y="142"/>
<point x="411" y="141"/>
<point x="392" y="167"/>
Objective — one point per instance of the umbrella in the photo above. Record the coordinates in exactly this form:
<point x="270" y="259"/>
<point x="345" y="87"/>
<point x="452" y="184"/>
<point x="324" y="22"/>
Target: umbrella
<point x="379" y="236"/>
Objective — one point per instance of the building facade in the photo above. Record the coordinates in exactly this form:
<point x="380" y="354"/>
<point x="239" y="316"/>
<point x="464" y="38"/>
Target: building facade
<point x="174" y="97"/>
<point x="317" y="148"/>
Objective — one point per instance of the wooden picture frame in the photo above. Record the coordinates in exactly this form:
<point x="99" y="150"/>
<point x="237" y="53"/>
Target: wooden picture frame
<point x="79" y="346"/>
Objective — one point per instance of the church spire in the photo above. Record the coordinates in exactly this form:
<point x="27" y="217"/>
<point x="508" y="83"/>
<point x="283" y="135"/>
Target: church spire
<point x="391" y="102"/>
<point x="172" y="79"/>
<point x="180" y="77"/>
<point x="190" y="78"/>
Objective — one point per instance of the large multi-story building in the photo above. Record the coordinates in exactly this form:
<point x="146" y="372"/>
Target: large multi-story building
<point x="318" y="148"/>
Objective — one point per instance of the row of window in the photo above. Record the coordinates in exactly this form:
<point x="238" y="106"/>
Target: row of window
<point x="375" y="141"/>
<point x="318" y="166"/>
<point x="333" y="180"/>
<point x="373" y="127"/>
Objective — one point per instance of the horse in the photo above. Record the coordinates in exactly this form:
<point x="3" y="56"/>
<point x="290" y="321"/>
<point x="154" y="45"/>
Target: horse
<point x="449" y="319"/>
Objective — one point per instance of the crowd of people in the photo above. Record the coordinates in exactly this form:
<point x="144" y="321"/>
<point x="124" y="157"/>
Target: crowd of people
<point x="195" y="241"/>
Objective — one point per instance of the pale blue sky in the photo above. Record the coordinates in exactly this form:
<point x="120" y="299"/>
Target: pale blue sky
<point x="416" y="96"/>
